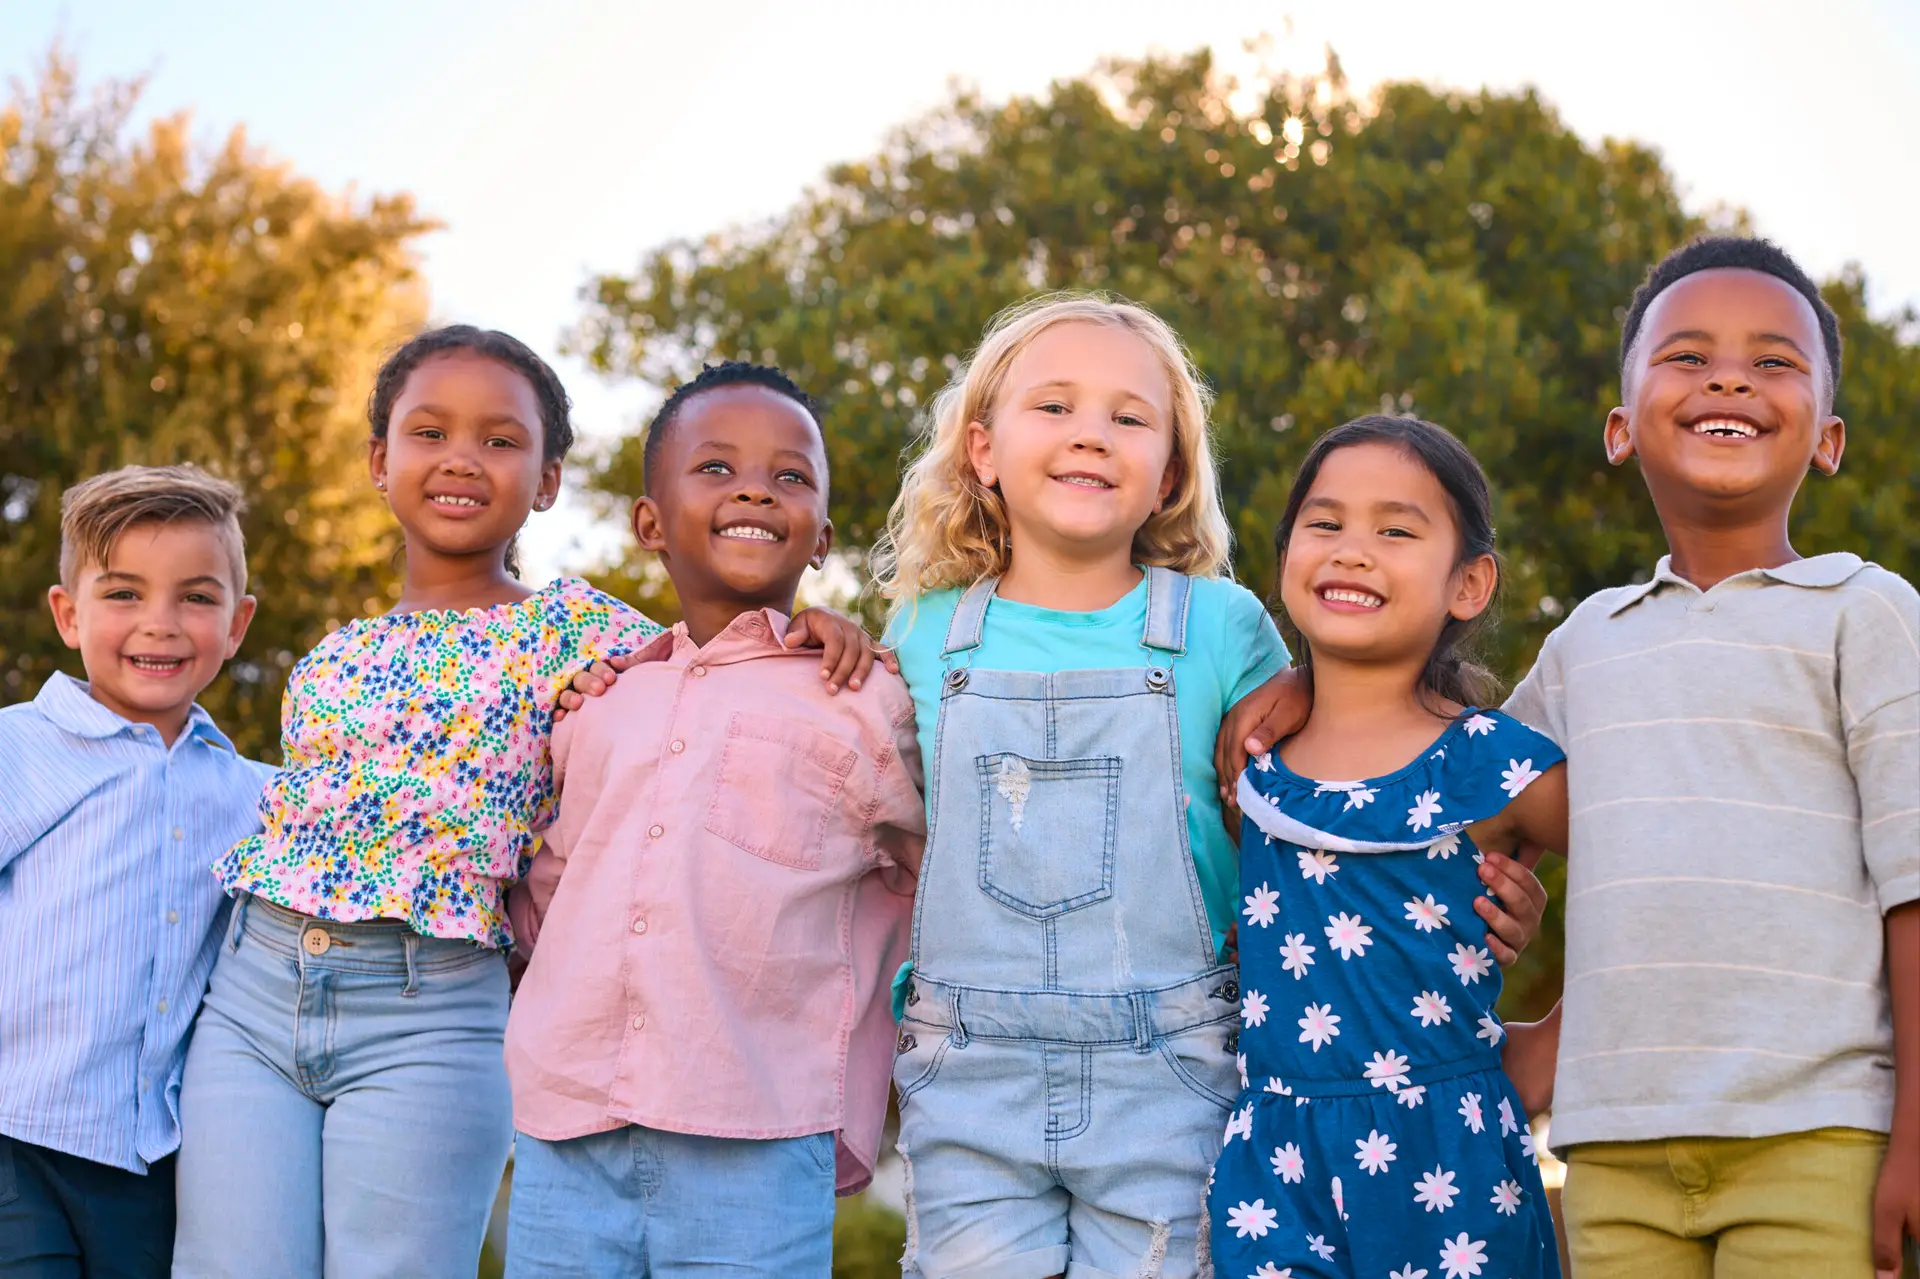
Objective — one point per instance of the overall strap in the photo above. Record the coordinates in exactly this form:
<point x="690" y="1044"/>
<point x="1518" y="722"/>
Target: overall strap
<point x="969" y="622"/>
<point x="1168" y="595"/>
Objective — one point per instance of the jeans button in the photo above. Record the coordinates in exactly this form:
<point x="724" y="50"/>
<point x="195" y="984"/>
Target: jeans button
<point x="913" y="994"/>
<point x="907" y="1043"/>
<point x="315" y="941"/>
<point x="1229" y="991"/>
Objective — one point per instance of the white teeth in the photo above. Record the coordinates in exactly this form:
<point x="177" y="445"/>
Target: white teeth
<point x="747" y="532"/>
<point x="458" y="501"/>
<point x="1725" y="427"/>
<point x="1362" y="598"/>
<point x="1084" y="481"/>
<point x="157" y="663"/>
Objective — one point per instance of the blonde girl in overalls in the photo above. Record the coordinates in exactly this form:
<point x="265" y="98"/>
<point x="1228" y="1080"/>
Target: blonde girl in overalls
<point x="1055" y="559"/>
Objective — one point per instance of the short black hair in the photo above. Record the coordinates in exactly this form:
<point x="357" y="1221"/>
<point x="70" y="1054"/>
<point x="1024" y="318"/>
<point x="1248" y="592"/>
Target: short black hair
<point x="713" y="377"/>
<point x="556" y="420"/>
<point x="1741" y="252"/>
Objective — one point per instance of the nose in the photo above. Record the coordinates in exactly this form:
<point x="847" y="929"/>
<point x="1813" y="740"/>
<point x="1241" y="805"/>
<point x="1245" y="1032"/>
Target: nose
<point x="1729" y="378"/>
<point x="160" y="618"/>
<point x="1351" y="550"/>
<point x="460" y="463"/>
<point x="1091" y="434"/>
<point x="753" y="492"/>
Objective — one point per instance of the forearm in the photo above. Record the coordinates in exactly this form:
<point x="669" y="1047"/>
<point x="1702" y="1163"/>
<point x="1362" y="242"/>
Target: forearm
<point x="1903" y="982"/>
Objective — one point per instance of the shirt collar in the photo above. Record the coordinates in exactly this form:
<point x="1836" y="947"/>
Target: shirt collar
<point x="753" y="634"/>
<point x="1815" y="572"/>
<point x="67" y="704"/>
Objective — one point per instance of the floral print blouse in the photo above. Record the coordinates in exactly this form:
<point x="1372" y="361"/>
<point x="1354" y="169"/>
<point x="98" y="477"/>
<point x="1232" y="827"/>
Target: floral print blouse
<point x="417" y="776"/>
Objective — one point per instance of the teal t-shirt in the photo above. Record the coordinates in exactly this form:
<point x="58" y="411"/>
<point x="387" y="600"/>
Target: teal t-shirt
<point x="1232" y="648"/>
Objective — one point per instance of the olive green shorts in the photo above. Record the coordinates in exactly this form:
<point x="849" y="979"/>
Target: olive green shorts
<point x="1797" y="1205"/>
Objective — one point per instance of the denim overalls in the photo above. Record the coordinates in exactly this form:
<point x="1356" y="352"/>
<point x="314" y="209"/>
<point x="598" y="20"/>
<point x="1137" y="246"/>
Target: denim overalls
<point x="1066" y="1058"/>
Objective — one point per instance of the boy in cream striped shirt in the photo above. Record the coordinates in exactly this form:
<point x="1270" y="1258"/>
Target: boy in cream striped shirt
<point x="1738" y="1083"/>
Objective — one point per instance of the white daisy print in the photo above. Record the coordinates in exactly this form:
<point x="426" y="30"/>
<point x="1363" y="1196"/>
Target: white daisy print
<point x="1358" y="797"/>
<point x="1268" y="1270"/>
<point x="1277" y="1088"/>
<point x="1264" y="761"/>
<point x="1461" y="1258"/>
<point x="1490" y="1030"/>
<point x="1262" y="905"/>
<point x="1508" y="1124"/>
<point x="1408" y="1273"/>
<point x="1432" y="1008"/>
<point x="1424" y="810"/>
<point x="1288" y="1163"/>
<point x="1296" y="957"/>
<point x="1387" y="1070"/>
<point x="1506" y="1198"/>
<point x="1444" y="847"/>
<point x="1317" y="866"/>
<point x="1528" y="1147"/>
<point x="1252" y="1220"/>
<point x="1346" y="934"/>
<point x="1411" y="1095"/>
<point x="1318" y="1244"/>
<point x="1320" y="1026"/>
<point x="1339" y="1198"/>
<point x="1435" y="1190"/>
<point x="1374" y="1152"/>
<point x="1470" y="1111"/>
<point x="1426" y="914"/>
<point x="1239" y="1124"/>
<point x="1470" y="963"/>
<point x="1517" y="776"/>
<point x="1479" y="724"/>
<point x="1240" y="1063"/>
<point x="1253" y="1008"/>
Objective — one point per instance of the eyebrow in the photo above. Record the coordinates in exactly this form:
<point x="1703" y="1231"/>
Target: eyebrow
<point x="1061" y="383"/>
<point x="1396" y="508"/>
<point x="1784" y="340"/>
<point x="721" y="446"/>
<point x="487" y="419"/>
<point x="115" y="575"/>
<point x="1701" y="335"/>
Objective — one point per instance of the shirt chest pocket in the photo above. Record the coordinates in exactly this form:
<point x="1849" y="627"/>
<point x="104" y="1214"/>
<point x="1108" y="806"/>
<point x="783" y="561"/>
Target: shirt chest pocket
<point x="777" y="787"/>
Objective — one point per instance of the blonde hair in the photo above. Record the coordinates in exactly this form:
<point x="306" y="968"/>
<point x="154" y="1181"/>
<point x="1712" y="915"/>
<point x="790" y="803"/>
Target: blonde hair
<point x="947" y="529"/>
<point x="95" y="512"/>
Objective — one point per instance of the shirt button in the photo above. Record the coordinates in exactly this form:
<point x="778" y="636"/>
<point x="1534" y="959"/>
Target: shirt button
<point x="163" y="1005"/>
<point x="639" y="925"/>
<point x="699" y="670"/>
<point x="640" y="1021"/>
<point x="677" y="747"/>
<point x="655" y="832"/>
<point x="173" y="917"/>
<point x="179" y="833"/>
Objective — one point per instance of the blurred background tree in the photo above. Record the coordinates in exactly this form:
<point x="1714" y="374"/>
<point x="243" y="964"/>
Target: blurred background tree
<point x="160" y="304"/>
<point x="1461" y="257"/>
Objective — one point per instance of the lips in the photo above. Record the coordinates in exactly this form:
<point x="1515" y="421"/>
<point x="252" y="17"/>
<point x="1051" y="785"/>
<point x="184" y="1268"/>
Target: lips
<point x="1347" y="597"/>
<point x="458" y="505"/>
<point x="1085" y="480"/>
<point x="1726" y="426"/>
<point x="148" y="664"/>
<point x="748" y="531"/>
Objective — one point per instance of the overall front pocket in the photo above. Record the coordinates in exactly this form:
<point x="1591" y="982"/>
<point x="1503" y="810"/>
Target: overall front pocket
<point x="1047" y="831"/>
<point x="778" y="784"/>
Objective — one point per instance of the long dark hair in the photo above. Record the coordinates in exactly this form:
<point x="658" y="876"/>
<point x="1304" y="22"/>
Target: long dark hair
<point x="1452" y="672"/>
<point x="556" y="421"/>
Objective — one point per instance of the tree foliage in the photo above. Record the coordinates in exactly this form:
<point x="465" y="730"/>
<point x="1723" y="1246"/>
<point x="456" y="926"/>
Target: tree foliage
<point x="1463" y="257"/>
<point x="158" y="304"/>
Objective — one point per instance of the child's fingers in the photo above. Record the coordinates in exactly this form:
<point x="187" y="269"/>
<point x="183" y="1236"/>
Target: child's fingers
<point x="591" y="683"/>
<point x="862" y="662"/>
<point x="800" y="631"/>
<point x="1520" y="891"/>
<point x="888" y="658"/>
<point x="620" y="662"/>
<point x="846" y="661"/>
<point x="1889" y="1218"/>
<point x="569" y="701"/>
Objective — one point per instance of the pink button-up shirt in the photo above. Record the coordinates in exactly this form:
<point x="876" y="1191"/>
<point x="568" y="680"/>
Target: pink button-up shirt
<point x="722" y="902"/>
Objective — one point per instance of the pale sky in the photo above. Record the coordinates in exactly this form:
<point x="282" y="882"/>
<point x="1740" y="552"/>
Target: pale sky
<point x="569" y="140"/>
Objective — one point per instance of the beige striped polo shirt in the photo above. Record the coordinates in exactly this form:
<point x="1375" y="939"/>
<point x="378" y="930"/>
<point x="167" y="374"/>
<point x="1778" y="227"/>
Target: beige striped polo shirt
<point x="1743" y="771"/>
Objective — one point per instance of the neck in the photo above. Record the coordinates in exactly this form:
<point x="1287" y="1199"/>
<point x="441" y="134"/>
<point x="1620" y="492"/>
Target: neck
<point x="1707" y="551"/>
<point x="1042" y="575"/>
<point x="435" y="581"/>
<point x="169" y="723"/>
<point x="707" y="618"/>
<point x="1367" y="719"/>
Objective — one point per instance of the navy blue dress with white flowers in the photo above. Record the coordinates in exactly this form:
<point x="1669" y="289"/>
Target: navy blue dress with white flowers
<point x="1377" y="1135"/>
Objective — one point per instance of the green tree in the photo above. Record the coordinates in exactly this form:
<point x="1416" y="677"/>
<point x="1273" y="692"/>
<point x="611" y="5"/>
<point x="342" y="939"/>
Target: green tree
<point x="1463" y="257"/>
<point x="160" y="304"/>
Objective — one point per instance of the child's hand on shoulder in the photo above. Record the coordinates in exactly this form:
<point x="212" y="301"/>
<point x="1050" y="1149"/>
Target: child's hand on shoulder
<point x="846" y="651"/>
<point x="592" y="682"/>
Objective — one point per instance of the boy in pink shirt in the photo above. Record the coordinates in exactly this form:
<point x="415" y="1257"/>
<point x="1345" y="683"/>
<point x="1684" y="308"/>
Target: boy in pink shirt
<point x="700" y="1048"/>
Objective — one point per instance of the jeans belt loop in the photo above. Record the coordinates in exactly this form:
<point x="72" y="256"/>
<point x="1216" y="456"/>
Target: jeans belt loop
<point x="238" y="923"/>
<point x="1142" y="1021"/>
<point x="953" y="1014"/>
<point x="412" y="941"/>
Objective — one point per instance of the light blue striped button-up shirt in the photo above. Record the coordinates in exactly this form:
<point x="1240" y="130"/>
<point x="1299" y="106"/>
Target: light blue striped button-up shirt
<point x="110" y="917"/>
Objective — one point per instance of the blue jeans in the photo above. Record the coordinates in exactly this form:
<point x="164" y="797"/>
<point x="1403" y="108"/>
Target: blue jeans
<point x="639" y="1203"/>
<point x="345" y="1111"/>
<point x="64" y="1217"/>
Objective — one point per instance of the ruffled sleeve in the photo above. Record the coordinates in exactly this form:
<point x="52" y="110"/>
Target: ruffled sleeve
<point x="1475" y="769"/>
<point x="571" y="625"/>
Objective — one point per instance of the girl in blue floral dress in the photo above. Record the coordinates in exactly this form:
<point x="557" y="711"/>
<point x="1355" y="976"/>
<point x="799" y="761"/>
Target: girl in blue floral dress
<point x="1376" y="1136"/>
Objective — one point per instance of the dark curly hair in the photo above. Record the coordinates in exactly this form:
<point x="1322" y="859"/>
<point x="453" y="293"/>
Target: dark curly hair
<point x="556" y="423"/>
<point x="713" y="377"/>
<point x="1740" y="252"/>
<point x="1451" y="673"/>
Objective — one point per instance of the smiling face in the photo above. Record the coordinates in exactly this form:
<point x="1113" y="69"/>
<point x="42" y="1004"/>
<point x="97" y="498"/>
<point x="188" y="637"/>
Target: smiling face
<point x="1727" y="388"/>
<point x="461" y="462"/>
<point x="1371" y="571"/>
<point x="737" y="505"/>
<point x="156" y="621"/>
<point x="1081" y="442"/>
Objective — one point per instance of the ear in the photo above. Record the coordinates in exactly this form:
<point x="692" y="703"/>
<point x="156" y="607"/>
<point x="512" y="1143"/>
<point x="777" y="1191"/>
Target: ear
<point x="66" y="615"/>
<point x="377" y="462"/>
<point x="242" y="618"/>
<point x="821" y="547"/>
<point x="1619" y="436"/>
<point x="1831" y="444"/>
<point x="647" y="526"/>
<point x="980" y="454"/>
<point x="1169" y="481"/>
<point x="549" y="485"/>
<point x="1473" y="589"/>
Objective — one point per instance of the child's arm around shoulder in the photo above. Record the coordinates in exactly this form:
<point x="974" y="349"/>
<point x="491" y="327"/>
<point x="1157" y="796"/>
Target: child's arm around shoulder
<point x="527" y="901"/>
<point x="897" y="822"/>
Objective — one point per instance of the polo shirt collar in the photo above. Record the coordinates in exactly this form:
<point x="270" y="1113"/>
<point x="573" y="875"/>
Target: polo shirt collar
<point x="1815" y="572"/>
<point x="66" y="704"/>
